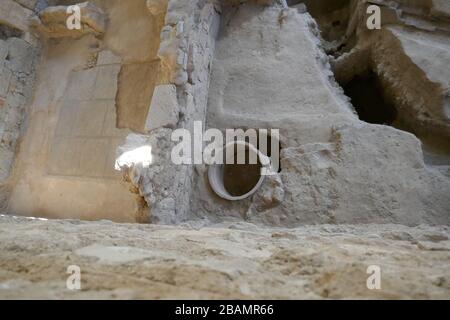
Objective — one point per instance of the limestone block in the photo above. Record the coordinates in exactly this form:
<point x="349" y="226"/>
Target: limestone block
<point x="93" y="154"/>
<point x="168" y="50"/>
<point x="21" y="56"/>
<point x="106" y="57"/>
<point x="106" y="84"/>
<point x="14" y="15"/>
<point x="81" y="84"/>
<point x="137" y="82"/>
<point x="164" y="110"/>
<point x="66" y="118"/>
<point x="64" y="157"/>
<point x="110" y="126"/>
<point x="90" y="118"/>
<point x="52" y="21"/>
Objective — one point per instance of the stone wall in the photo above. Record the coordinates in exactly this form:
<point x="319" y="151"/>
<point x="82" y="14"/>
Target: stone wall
<point x="186" y="52"/>
<point x="66" y="164"/>
<point x="270" y="70"/>
<point x="17" y="73"/>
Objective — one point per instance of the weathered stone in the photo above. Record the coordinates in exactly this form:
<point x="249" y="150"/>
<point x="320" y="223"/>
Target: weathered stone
<point x="164" y="109"/>
<point x="29" y="4"/>
<point x="14" y="15"/>
<point x="21" y="56"/>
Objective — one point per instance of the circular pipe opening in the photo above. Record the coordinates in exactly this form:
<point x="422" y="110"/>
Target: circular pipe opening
<point x="236" y="182"/>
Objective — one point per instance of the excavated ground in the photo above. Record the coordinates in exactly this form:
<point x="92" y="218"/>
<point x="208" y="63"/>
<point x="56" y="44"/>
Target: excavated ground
<point x="125" y="261"/>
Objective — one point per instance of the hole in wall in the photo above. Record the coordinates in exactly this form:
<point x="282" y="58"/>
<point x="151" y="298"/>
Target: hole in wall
<point x="240" y="179"/>
<point x="367" y="97"/>
<point x="374" y="105"/>
<point x="236" y="182"/>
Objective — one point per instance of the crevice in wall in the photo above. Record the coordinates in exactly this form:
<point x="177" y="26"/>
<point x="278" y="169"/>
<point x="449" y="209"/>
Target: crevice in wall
<point x="366" y="94"/>
<point x="377" y="101"/>
<point x="9" y="32"/>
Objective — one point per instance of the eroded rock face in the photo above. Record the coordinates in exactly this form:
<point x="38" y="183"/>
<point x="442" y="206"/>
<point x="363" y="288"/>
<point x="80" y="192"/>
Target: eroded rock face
<point x="408" y="56"/>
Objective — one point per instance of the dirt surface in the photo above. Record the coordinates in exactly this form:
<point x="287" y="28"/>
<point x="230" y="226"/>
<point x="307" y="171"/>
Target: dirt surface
<point x="125" y="261"/>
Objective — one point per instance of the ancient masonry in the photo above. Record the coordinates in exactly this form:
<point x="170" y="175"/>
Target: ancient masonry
<point x="364" y="115"/>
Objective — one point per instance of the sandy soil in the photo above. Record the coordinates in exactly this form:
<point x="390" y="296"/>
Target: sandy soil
<point x="130" y="261"/>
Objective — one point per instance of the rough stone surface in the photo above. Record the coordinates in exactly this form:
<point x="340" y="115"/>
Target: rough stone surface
<point x="164" y="110"/>
<point x="14" y="15"/>
<point x="17" y="66"/>
<point x="238" y="261"/>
